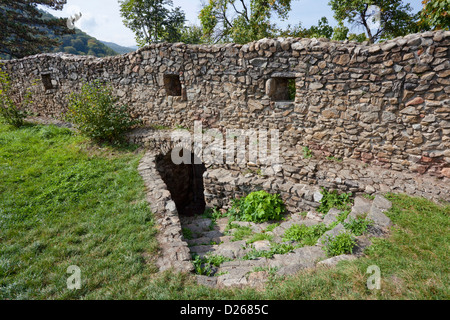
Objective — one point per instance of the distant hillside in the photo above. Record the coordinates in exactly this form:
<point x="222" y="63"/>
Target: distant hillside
<point x="117" y="48"/>
<point x="79" y="43"/>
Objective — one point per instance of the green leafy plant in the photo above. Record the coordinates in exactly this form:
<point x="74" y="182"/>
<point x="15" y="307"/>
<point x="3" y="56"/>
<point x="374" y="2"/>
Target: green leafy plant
<point x="334" y="159"/>
<point x="187" y="234"/>
<point x="334" y="200"/>
<point x="307" y="154"/>
<point x="258" y="206"/>
<point x="204" y="266"/>
<point x="13" y="105"/>
<point x="276" y="248"/>
<point x="212" y="213"/>
<point x="343" y="243"/>
<point x="306" y="236"/>
<point x="358" y="226"/>
<point x="96" y="114"/>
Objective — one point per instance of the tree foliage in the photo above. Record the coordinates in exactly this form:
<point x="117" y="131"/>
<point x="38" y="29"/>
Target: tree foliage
<point x="435" y="15"/>
<point x="152" y="20"/>
<point x="395" y="18"/>
<point x="24" y="29"/>
<point x="241" y="21"/>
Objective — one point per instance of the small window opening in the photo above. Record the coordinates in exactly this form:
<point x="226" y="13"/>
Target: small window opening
<point x="47" y="81"/>
<point x="172" y="85"/>
<point x="282" y="89"/>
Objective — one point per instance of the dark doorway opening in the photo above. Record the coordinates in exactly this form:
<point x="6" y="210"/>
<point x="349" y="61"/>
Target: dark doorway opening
<point x="185" y="183"/>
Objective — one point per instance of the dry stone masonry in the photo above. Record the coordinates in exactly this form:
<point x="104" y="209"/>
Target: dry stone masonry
<point x="376" y="119"/>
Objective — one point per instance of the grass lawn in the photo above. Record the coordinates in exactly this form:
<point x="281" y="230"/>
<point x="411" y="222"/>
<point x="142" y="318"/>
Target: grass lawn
<point x="65" y="201"/>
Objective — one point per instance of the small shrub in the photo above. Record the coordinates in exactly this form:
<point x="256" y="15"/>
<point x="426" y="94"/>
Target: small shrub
<point x="357" y="226"/>
<point x="96" y="114"/>
<point x="340" y="244"/>
<point x="334" y="200"/>
<point x="13" y="107"/>
<point x="307" y="236"/>
<point x="258" y="206"/>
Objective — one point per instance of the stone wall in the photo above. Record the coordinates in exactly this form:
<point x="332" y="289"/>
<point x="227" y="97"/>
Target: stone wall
<point x="386" y="104"/>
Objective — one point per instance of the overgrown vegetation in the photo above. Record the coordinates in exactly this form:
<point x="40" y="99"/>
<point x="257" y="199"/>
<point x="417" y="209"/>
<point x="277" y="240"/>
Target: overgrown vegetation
<point x="64" y="201"/>
<point x="96" y="113"/>
<point x="258" y="206"/>
<point x="13" y="105"/>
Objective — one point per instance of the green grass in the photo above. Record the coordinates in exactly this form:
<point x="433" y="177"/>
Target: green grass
<point x="64" y="201"/>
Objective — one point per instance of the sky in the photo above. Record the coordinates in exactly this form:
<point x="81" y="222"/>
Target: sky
<point x="101" y="18"/>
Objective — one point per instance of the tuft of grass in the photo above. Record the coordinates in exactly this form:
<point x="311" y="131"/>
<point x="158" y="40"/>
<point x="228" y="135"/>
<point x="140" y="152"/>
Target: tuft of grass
<point x="241" y="232"/>
<point x="260" y="237"/>
<point x="305" y="236"/>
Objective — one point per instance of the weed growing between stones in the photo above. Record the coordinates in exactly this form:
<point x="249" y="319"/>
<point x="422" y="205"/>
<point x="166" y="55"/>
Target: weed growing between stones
<point x="187" y="234"/>
<point x="306" y="236"/>
<point x="334" y="200"/>
<point x="343" y="243"/>
<point x="205" y="266"/>
<point x="358" y="226"/>
<point x="276" y="248"/>
<point x="307" y="154"/>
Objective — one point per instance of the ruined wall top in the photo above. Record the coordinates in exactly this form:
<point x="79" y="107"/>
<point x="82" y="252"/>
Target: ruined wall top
<point x="386" y="104"/>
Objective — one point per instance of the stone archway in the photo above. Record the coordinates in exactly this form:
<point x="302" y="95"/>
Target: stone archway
<point x="184" y="182"/>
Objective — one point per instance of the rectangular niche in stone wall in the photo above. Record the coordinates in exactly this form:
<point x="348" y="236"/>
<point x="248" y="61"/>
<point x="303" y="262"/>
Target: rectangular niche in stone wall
<point x="172" y="84"/>
<point x="49" y="84"/>
<point x="281" y="89"/>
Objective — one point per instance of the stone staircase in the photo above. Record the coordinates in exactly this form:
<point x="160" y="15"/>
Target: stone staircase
<point x="207" y="238"/>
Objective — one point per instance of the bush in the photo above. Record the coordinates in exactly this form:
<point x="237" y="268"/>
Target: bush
<point x="96" y="114"/>
<point x="13" y="109"/>
<point x="258" y="206"/>
<point x="340" y="244"/>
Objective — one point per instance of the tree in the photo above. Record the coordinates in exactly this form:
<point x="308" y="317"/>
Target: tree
<point x="24" y="29"/>
<point x="192" y="35"/>
<point x="435" y="15"/>
<point x="241" y="21"/>
<point x="152" y="21"/>
<point x="394" y="17"/>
